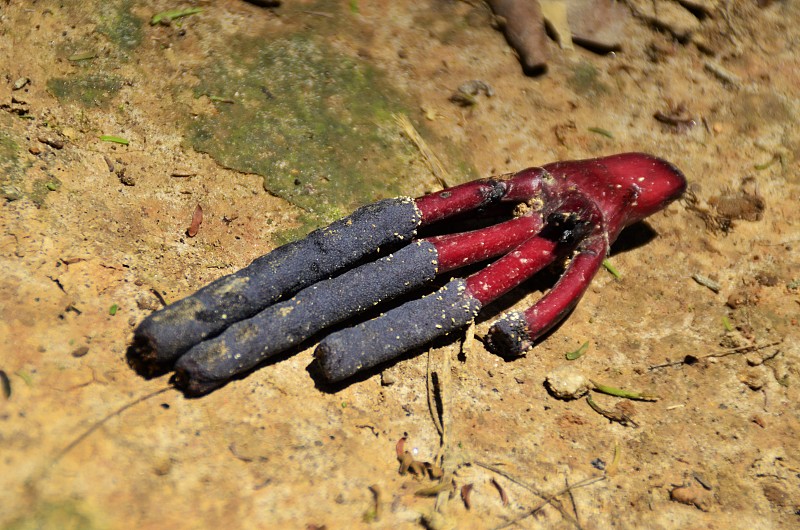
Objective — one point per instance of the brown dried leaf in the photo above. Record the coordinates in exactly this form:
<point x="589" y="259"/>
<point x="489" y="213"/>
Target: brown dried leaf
<point x="418" y="468"/>
<point x="503" y="495"/>
<point x="434" y="471"/>
<point x="405" y="462"/>
<point x="466" y="490"/>
<point x="197" y="220"/>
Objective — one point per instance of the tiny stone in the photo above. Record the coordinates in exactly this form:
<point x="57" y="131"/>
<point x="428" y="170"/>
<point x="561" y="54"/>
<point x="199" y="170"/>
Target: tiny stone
<point x="767" y="279"/>
<point x="55" y="143"/>
<point x="128" y="180"/>
<point x="20" y="83"/>
<point x="387" y="379"/>
<point x="692" y="495"/>
<point x="754" y="381"/>
<point x="146" y="302"/>
<point x="80" y="351"/>
<point x="565" y="383"/>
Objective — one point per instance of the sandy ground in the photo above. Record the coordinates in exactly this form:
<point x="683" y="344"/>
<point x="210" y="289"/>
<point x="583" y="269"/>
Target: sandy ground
<point x="279" y="120"/>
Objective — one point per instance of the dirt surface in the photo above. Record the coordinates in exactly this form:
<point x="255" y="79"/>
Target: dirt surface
<point x="278" y="120"/>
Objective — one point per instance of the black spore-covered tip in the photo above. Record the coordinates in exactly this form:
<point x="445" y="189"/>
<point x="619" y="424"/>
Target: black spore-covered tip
<point x="411" y="325"/>
<point x="508" y="336"/>
<point x="164" y="335"/>
<point x="277" y="328"/>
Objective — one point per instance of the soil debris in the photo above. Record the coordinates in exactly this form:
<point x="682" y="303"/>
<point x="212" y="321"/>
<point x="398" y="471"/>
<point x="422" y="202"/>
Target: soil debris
<point x="692" y="495"/>
<point x="676" y="118"/>
<point x="465" y="94"/>
<point x="742" y="297"/>
<point x="739" y="206"/>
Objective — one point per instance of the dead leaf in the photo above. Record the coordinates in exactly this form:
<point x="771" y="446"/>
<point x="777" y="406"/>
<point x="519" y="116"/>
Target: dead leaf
<point x="197" y="220"/>
<point x="465" y="492"/>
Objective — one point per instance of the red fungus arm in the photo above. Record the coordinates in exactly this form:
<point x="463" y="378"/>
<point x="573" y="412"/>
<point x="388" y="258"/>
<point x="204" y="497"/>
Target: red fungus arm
<point x="458" y="250"/>
<point x="512" y="269"/>
<point x="514" y="333"/>
<point x="461" y="198"/>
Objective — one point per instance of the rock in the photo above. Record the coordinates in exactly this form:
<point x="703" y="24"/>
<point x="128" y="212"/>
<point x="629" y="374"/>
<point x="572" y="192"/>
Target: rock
<point x="565" y="383"/>
<point x="693" y="496"/>
<point x="667" y="15"/>
<point x="598" y="25"/>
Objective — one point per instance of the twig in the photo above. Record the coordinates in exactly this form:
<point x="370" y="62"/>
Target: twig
<point x="432" y="399"/>
<point x="722" y="74"/>
<point x="617" y="416"/>
<point x="88" y="432"/>
<point x="431" y="160"/>
<point x="572" y="499"/>
<point x="546" y="500"/>
<point x="619" y="392"/>
<point x="444" y="399"/>
<point x="707" y="282"/>
<point x="443" y="380"/>
<point x="549" y="500"/>
<point x="376" y="501"/>
<point x="731" y="351"/>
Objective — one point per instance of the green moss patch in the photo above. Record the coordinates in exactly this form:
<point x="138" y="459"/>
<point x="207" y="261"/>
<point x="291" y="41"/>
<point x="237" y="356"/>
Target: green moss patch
<point x="120" y="25"/>
<point x="585" y="81"/>
<point x="315" y="123"/>
<point x="63" y="515"/>
<point x="91" y="90"/>
<point x="11" y="166"/>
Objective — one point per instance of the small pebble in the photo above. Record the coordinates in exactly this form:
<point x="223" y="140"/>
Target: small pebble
<point x="55" y="143"/>
<point x="125" y="178"/>
<point x="80" y="351"/>
<point x="387" y="379"/>
<point x="693" y="496"/>
<point x="20" y="83"/>
<point x="753" y="380"/>
<point x="147" y="302"/>
<point x="565" y="383"/>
